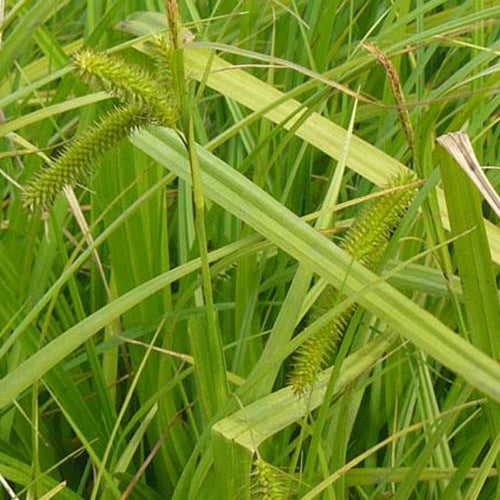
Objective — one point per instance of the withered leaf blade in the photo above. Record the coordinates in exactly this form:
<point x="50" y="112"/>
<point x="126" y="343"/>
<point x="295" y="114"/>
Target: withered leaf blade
<point x="459" y="146"/>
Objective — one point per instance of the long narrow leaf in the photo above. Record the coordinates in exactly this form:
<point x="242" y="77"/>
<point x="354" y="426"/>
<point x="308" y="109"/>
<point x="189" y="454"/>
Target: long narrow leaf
<point x="255" y="207"/>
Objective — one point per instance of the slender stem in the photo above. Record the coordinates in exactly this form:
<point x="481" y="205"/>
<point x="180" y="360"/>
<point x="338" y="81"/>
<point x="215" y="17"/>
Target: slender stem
<point x="207" y="346"/>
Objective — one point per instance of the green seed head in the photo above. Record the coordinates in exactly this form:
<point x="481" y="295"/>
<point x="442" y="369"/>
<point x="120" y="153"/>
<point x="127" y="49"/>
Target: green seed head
<point x="146" y="101"/>
<point x="81" y="156"/>
<point x="129" y="83"/>
<point x="366" y="242"/>
<point x="161" y="55"/>
<point x="269" y="483"/>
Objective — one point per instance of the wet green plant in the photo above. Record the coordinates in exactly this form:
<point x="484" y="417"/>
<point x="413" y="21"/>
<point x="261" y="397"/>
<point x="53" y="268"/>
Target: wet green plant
<point x="76" y="348"/>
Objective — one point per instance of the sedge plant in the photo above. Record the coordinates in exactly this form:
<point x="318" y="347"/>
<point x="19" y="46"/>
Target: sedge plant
<point x="270" y="108"/>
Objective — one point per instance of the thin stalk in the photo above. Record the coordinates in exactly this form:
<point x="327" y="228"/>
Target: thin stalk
<point x="207" y="346"/>
<point x="207" y="349"/>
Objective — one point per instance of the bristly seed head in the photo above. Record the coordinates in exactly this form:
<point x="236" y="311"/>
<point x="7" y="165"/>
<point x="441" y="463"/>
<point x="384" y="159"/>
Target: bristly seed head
<point x="268" y="482"/>
<point x="146" y="102"/>
<point x="81" y="155"/>
<point x="366" y="242"/>
<point x="129" y="83"/>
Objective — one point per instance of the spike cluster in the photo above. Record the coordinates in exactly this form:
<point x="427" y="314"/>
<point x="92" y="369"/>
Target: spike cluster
<point x="77" y="159"/>
<point x="145" y="102"/>
<point x="314" y="353"/>
<point x="127" y="82"/>
<point x="161" y="54"/>
<point x="366" y="242"/>
<point x="268" y="481"/>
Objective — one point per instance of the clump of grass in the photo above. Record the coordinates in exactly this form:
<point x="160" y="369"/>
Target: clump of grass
<point x="57" y="433"/>
<point x="366" y="243"/>
<point x="145" y="102"/>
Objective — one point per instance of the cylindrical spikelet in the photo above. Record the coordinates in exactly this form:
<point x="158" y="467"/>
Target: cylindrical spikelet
<point x="268" y="482"/>
<point x="129" y="83"/>
<point x="161" y="54"/>
<point x="315" y="352"/>
<point x="366" y="242"/>
<point x="79" y="158"/>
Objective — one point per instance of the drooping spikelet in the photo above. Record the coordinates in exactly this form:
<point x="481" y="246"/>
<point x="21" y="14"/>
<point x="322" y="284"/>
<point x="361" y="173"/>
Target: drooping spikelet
<point x="269" y="483"/>
<point x="161" y="54"/>
<point x="129" y="83"/>
<point x="366" y="242"/>
<point x="80" y="156"/>
<point x="314" y="353"/>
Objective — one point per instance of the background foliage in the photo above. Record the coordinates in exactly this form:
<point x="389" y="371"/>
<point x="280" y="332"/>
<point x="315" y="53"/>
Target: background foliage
<point x="147" y="321"/>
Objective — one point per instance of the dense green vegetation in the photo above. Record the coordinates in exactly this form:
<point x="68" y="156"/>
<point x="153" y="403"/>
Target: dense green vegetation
<point x="200" y="207"/>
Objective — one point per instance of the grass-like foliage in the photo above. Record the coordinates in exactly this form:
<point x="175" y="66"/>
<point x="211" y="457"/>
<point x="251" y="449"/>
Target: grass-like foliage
<point x="227" y="231"/>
